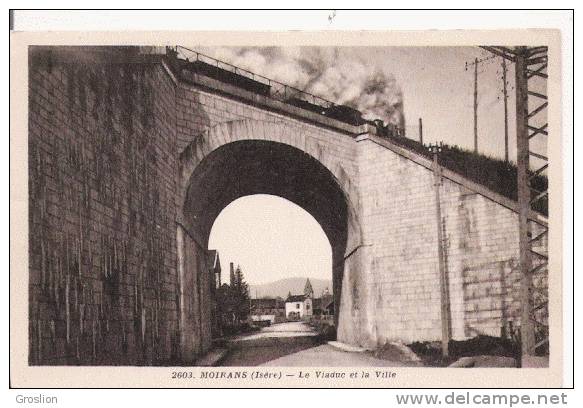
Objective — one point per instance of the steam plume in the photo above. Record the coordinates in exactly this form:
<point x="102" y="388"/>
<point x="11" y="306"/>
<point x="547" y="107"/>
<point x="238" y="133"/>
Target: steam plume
<point x="323" y="72"/>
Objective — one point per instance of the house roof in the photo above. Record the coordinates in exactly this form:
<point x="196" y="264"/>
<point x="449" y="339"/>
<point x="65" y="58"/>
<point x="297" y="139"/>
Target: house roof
<point x="295" y="298"/>
<point x="323" y="303"/>
<point x="266" y="303"/>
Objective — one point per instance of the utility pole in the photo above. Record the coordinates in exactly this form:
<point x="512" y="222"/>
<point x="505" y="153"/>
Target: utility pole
<point x="444" y="290"/>
<point x="530" y="62"/>
<point x="420" y="131"/>
<point x="522" y="164"/>
<point x="505" y="91"/>
<point x="475" y="64"/>
<point x="476" y="105"/>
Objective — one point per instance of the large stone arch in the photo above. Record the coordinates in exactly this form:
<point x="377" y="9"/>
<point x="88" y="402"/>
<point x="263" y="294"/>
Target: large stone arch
<point x="245" y="157"/>
<point x="277" y="132"/>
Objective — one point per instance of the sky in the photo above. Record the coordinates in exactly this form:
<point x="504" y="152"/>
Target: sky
<point x="271" y="238"/>
<point x="397" y="84"/>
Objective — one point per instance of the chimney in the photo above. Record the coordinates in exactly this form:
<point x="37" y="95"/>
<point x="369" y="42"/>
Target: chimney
<point x="232" y="274"/>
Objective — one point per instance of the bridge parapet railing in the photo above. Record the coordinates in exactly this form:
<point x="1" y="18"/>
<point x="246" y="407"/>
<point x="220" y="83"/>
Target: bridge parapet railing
<point x="251" y="81"/>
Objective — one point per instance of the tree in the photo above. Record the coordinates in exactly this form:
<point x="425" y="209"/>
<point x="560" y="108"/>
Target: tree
<point x="241" y="296"/>
<point x="233" y="302"/>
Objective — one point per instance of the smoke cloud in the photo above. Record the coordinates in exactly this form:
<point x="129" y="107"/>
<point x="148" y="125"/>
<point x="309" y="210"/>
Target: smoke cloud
<point x="325" y="73"/>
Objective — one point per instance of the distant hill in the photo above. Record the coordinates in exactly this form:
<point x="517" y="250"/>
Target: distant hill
<point x="294" y="285"/>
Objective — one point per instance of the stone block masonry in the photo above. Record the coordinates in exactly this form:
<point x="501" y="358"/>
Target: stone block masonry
<point x="102" y="164"/>
<point x="480" y="248"/>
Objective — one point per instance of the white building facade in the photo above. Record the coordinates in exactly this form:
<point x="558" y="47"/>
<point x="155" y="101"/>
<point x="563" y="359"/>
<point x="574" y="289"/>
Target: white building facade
<point x="298" y="306"/>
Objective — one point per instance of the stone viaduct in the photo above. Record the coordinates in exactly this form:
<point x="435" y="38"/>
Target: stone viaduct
<point x="131" y="159"/>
